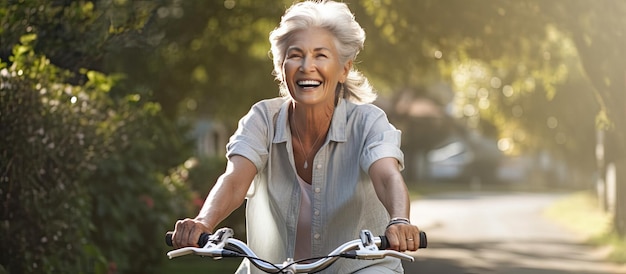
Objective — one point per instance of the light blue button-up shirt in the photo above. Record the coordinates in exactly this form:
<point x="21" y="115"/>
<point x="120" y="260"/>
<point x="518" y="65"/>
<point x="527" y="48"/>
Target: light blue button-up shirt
<point x="344" y="201"/>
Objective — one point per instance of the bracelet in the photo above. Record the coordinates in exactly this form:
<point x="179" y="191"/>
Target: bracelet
<point x="400" y="219"/>
<point x="395" y="221"/>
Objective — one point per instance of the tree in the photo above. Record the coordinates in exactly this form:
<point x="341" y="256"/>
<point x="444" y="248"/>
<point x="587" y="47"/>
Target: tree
<point x="600" y="37"/>
<point x="203" y="58"/>
<point x="521" y="58"/>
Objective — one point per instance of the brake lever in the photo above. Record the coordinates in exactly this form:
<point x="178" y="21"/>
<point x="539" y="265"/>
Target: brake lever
<point x="379" y="254"/>
<point x="180" y="252"/>
<point x="215" y="253"/>
<point x="376" y="254"/>
<point x="219" y="238"/>
<point x="367" y="241"/>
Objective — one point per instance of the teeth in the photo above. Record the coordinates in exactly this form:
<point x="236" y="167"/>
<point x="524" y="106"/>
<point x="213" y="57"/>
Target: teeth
<point x="309" y="83"/>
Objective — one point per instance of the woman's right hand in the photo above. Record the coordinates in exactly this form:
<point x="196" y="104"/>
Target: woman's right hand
<point x="187" y="232"/>
<point x="227" y="195"/>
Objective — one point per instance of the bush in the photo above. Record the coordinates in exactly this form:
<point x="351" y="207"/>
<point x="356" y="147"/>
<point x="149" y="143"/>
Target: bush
<point x="49" y="145"/>
<point x="133" y="201"/>
<point x="85" y="179"/>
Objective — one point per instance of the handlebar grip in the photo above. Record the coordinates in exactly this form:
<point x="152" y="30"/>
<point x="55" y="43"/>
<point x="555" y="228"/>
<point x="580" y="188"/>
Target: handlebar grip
<point x="204" y="238"/>
<point x="423" y="240"/>
<point x="384" y="243"/>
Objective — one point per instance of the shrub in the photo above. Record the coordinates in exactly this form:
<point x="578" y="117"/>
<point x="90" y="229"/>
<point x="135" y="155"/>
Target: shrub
<point x="49" y="145"/>
<point x="88" y="184"/>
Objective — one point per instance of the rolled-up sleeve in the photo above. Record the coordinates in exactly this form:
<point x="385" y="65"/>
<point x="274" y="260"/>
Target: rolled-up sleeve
<point x="383" y="140"/>
<point x="388" y="145"/>
<point x="250" y="139"/>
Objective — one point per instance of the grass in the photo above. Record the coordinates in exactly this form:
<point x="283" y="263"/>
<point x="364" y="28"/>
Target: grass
<point x="581" y="213"/>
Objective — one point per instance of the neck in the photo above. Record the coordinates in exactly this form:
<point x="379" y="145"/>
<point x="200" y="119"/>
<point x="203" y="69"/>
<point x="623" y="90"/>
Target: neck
<point x="311" y="120"/>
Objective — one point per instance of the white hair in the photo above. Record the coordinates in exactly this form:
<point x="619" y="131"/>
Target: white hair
<point x="336" y="18"/>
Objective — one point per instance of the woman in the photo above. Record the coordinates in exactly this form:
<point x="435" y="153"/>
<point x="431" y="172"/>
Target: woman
<point x="318" y="164"/>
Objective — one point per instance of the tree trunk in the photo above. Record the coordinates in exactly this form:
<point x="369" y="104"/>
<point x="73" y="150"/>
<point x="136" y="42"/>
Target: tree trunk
<point x="600" y="42"/>
<point x="620" y="207"/>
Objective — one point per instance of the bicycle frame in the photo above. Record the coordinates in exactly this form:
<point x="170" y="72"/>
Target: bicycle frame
<point x="222" y="244"/>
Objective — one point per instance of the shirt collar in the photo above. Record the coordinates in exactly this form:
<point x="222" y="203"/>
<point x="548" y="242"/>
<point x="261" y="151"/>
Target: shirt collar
<point x="338" y="125"/>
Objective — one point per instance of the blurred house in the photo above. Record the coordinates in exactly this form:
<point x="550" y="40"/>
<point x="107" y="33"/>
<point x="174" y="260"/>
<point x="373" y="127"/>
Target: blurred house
<point x="211" y="138"/>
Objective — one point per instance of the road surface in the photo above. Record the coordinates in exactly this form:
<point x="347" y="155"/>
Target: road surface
<point x="500" y="233"/>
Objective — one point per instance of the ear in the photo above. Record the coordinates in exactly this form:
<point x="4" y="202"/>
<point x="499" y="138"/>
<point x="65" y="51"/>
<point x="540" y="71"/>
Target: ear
<point x="282" y="72"/>
<point x="346" y="70"/>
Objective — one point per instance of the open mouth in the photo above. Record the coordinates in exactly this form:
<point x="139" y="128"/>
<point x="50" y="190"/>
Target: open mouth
<point x="309" y="83"/>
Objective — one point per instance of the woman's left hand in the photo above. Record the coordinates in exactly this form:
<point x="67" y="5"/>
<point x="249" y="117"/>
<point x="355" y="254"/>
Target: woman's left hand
<point x="403" y="237"/>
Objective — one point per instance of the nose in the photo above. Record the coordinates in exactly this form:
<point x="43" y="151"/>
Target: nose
<point x="307" y="64"/>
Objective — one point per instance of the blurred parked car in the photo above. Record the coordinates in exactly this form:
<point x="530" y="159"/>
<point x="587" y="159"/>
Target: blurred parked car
<point x="449" y="161"/>
<point x="463" y="158"/>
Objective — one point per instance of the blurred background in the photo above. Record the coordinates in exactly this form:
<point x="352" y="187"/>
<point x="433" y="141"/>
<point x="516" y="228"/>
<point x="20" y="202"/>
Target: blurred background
<point x="114" y="114"/>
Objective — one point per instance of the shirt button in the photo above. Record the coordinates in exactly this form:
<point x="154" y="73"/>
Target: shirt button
<point x="316" y="236"/>
<point x="318" y="190"/>
<point x="316" y="212"/>
<point x="319" y="166"/>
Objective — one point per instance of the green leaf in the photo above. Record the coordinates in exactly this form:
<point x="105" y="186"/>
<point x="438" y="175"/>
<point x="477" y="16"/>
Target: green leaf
<point x="28" y="38"/>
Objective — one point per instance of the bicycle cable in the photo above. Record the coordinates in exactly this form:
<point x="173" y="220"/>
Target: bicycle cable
<point x="231" y="253"/>
<point x="308" y="259"/>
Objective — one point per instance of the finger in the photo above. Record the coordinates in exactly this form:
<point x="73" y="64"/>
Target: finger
<point x="404" y="244"/>
<point x="415" y="235"/>
<point x="193" y="236"/>
<point x="418" y="237"/>
<point x="400" y="240"/>
<point x="392" y="239"/>
<point x="411" y="243"/>
<point x="176" y="236"/>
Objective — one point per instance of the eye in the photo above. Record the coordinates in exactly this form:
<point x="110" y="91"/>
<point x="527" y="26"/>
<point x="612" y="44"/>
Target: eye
<point x="293" y="54"/>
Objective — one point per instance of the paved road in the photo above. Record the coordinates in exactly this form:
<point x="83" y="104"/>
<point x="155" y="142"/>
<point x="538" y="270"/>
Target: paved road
<point x="499" y="233"/>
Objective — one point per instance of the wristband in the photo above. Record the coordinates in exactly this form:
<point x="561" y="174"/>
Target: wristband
<point x="395" y="221"/>
<point x="399" y="219"/>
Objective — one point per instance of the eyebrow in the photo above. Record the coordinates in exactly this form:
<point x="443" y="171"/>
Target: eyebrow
<point x="299" y="49"/>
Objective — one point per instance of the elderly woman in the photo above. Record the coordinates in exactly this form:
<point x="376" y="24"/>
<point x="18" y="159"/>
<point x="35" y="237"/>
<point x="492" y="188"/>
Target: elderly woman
<point x="318" y="164"/>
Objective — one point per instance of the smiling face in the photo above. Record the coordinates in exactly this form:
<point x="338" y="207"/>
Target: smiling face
<point x="312" y="69"/>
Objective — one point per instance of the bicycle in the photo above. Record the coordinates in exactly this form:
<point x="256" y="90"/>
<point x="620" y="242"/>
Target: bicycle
<point x="222" y="244"/>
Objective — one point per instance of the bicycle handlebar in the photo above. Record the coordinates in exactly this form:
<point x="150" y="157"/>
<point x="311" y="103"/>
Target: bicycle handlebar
<point x="384" y="243"/>
<point x="222" y="244"/>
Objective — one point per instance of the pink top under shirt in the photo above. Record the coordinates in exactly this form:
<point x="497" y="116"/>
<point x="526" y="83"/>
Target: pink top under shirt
<point x="303" y="231"/>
